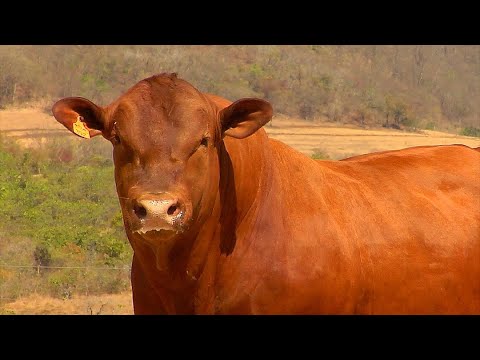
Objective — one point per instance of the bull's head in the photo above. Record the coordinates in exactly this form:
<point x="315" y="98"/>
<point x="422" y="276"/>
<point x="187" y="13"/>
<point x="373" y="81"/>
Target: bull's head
<point x="165" y="136"/>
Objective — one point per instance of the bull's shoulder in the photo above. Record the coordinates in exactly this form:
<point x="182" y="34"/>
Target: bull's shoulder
<point x="288" y="154"/>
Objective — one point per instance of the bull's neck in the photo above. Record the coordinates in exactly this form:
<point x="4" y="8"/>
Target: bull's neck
<point x="244" y="171"/>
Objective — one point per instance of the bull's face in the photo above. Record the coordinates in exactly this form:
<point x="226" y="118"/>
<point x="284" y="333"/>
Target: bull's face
<point x="165" y="136"/>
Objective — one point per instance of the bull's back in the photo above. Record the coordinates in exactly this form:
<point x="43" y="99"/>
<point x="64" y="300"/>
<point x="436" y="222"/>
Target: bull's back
<point x="394" y="232"/>
<point x="425" y="203"/>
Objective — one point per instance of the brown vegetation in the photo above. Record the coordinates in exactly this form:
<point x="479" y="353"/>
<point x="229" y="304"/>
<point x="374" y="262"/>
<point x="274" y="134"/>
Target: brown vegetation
<point x="106" y="304"/>
<point x="432" y="87"/>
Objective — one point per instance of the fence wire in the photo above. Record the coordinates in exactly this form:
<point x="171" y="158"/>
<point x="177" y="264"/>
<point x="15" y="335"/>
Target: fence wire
<point x="126" y="267"/>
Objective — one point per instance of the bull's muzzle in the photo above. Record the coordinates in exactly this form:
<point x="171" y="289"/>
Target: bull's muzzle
<point x="158" y="212"/>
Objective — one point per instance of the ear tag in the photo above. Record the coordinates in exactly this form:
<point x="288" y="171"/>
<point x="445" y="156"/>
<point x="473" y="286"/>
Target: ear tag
<point x="80" y="129"/>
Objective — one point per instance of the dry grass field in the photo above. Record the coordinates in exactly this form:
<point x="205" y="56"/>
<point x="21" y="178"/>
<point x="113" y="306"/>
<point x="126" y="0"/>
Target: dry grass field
<point x="31" y="126"/>
<point x="340" y="141"/>
<point x="107" y="304"/>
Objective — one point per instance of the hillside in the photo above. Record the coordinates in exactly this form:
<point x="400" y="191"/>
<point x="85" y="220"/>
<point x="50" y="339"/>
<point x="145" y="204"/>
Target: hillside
<point x="428" y="87"/>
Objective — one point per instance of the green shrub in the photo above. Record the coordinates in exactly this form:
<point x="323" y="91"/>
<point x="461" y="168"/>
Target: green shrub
<point x="60" y="213"/>
<point x="430" y="126"/>
<point x="410" y="122"/>
<point x="319" y="154"/>
<point x="470" y="131"/>
<point x="63" y="284"/>
<point x="42" y="255"/>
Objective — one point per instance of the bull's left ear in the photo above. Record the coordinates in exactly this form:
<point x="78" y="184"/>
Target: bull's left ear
<point x="245" y="116"/>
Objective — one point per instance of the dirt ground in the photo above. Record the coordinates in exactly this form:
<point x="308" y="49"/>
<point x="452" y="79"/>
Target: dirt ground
<point x="107" y="304"/>
<point x="342" y="142"/>
<point x="29" y="126"/>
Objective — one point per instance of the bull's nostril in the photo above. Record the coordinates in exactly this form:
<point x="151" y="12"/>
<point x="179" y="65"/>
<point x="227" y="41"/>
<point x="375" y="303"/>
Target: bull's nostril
<point x="173" y="210"/>
<point x="140" y="211"/>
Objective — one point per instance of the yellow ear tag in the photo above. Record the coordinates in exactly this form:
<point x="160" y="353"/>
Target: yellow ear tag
<point x="80" y="129"/>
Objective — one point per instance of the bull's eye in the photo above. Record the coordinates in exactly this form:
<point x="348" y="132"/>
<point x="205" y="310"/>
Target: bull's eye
<point x="203" y="143"/>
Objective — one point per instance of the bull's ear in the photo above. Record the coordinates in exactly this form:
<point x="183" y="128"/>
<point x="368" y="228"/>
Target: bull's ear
<point x="80" y="116"/>
<point x="245" y="116"/>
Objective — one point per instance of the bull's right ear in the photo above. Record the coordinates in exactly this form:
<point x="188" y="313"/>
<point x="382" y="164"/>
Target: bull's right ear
<point x="80" y="116"/>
